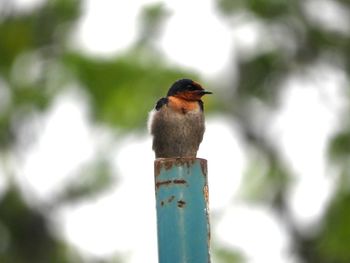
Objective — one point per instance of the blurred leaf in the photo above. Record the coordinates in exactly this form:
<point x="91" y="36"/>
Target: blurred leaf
<point x="30" y="96"/>
<point x="53" y="19"/>
<point x="91" y="181"/>
<point x="264" y="181"/>
<point x="151" y="22"/>
<point x="23" y="38"/>
<point x="228" y="7"/>
<point x="225" y="255"/>
<point x="339" y="148"/>
<point x="34" y="30"/>
<point x="16" y="37"/>
<point x="318" y="40"/>
<point x="260" y="75"/>
<point x="269" y="9"/>
<point x="29" y="238"/>
<point x="125" y="89"/>
<point x="6" y="135"/>
<point x="333" y="244"/>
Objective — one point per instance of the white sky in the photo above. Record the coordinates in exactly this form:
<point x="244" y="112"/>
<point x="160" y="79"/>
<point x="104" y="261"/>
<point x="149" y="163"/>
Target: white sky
<point x="111" y="26"/>
<point x="119" y="222"/>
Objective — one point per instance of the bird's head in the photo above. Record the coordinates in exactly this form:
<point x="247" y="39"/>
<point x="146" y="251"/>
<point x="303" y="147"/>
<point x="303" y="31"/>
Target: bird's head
<point x="187" y="89"/>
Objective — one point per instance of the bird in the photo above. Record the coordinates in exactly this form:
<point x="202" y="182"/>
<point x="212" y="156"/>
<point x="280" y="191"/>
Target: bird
<point x="177" y="121"/>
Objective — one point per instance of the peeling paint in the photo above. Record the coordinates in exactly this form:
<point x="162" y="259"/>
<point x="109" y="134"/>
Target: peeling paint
<point x="181" y="203"/>
<point x="171" y="198"/>
<point x="168" y="163"/>
<point x="206" y="193"/>
<point x="169" y="182"/>
<point x="204" y="167"/>
<point x="206" y="198"/>
<point x="157" y="166"/>
<point x="160" y="183"/>
<point x="179" y="181"/>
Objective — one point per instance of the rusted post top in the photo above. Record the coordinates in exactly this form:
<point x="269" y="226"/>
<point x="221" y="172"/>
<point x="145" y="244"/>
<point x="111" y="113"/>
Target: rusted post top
<point x="168" y="163"/>
<point x="182" y="210"/>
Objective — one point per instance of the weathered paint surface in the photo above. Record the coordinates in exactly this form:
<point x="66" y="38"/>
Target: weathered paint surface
<point x="182" y="210"/>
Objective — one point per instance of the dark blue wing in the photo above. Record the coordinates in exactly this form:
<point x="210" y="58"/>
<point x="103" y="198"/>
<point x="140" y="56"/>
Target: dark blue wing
<point x="161" y="102"/>
<point x="201" y="105"/>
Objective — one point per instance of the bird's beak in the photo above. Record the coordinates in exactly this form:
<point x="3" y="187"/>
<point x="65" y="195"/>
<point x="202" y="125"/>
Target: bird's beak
<point x="203" y="92"/>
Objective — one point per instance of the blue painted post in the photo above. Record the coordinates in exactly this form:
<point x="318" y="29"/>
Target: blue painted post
<point x="182" y="210"/>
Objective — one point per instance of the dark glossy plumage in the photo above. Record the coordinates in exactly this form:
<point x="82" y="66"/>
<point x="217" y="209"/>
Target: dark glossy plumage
<point x="161" y="102"/>
<point x="180" y="86"/>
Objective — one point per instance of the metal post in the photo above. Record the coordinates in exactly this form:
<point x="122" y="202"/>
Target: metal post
<point x="182" y="210"/>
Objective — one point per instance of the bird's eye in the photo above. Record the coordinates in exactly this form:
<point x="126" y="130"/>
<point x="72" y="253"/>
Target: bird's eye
<point x="191" y="87"/>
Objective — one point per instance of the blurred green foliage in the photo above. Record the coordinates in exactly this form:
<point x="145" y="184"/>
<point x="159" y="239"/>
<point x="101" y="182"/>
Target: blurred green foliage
<point x="123" y="89"/>
<point x="25" y="235"/>
<point x="259" y="76"/>
<point x="334" y="237"/>
<point x="223" y="255"/>
<point x="340" y="147"/>
<point x="36" y="64"/>
<point x="89" y="182"/>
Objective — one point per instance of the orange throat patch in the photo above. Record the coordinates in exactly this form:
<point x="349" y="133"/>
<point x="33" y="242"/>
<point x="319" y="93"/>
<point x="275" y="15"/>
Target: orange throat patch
<point x="182" y="105"/>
